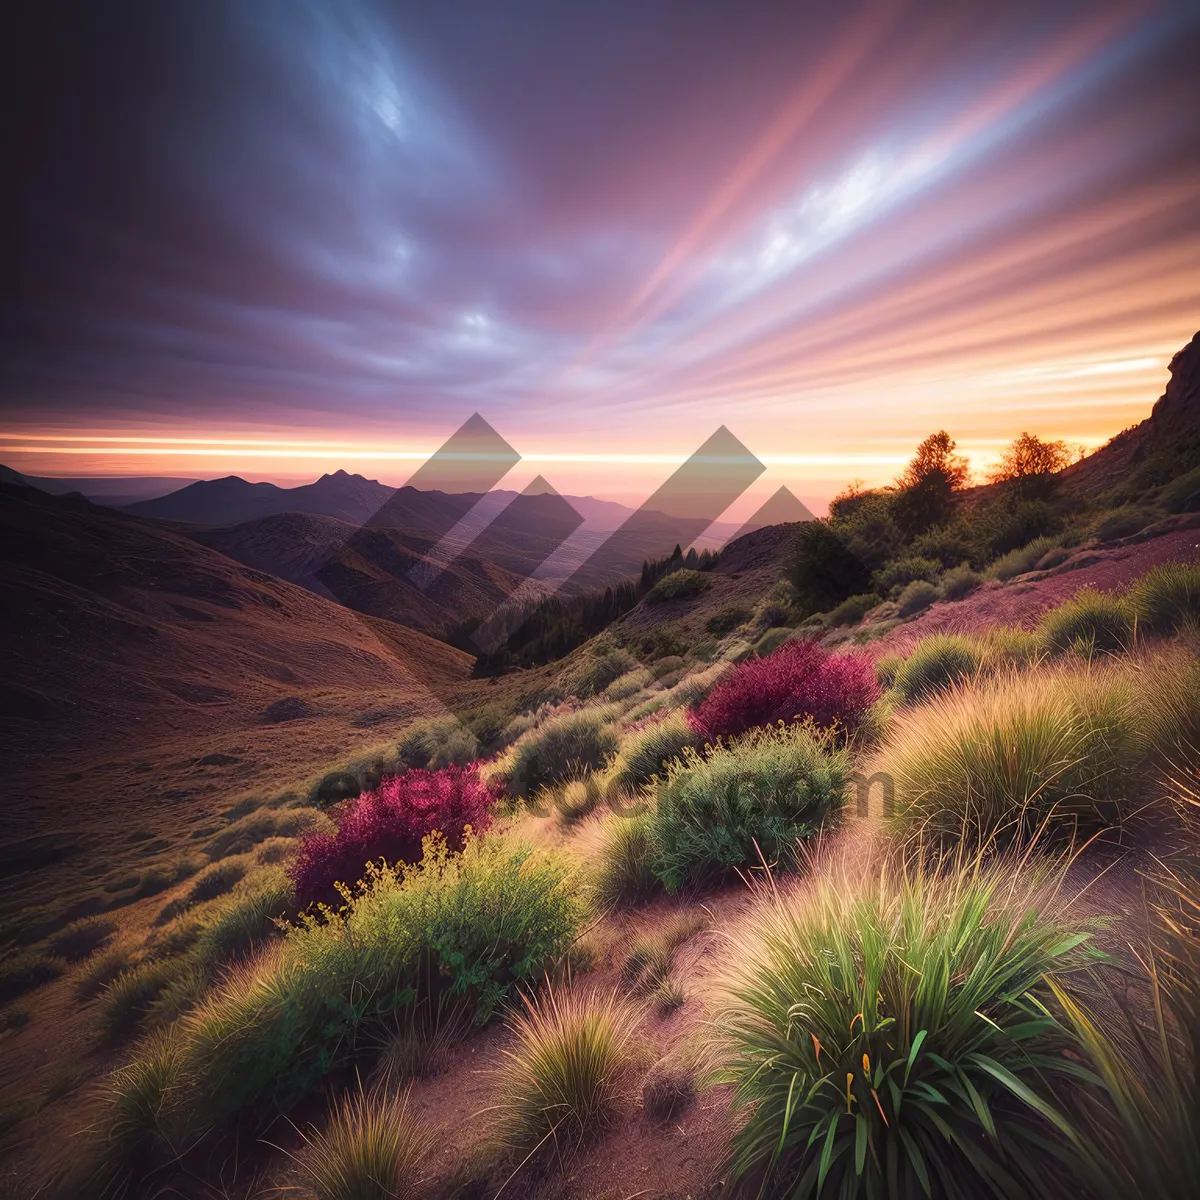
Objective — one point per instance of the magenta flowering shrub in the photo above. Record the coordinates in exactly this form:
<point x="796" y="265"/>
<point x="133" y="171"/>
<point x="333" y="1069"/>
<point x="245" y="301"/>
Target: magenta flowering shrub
<point x="799" y="681"/>
<point x="390" y="822"/>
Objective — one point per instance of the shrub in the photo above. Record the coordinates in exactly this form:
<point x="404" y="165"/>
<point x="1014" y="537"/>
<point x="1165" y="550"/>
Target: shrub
<point x="373" y="1148"/>
<point x="1006" y="645"/>
<point x="103" y="970"/>
<point x="916" y="597"/>
<point x="467" y="927"/>
<point x="726" y="620"/>
<point x="1167" y="599"/>
<point x="1003" y="757"/>
<point x="1088" y="623"/>
<point x="1005" y="527"/>
<point x="602" y="667"/>
<point x="562" y="748"/>
<point x="1019" y="561"/>
<point x="897" y="574"/>
<point x="128" y="999"/>
<point x="24" y="971"/>
<point x="888" y="1036"/>
<point x="138" y="1135"/>
<point x="562" y="1082"/>
<point x="390" y="823"/>
<point x="771" y="641"/>
<point x="629" y="684"/>
<point x="1182" y="494"/>
<point x="621" y="872"/>
<point x="937" y="663"/>
<point x="800" y="681"/>
<point x="755" y="796"/>
<point x="217" y="879"/>
<point x="1121" y="522"/>
<point x="257" y="827"/>
<point x="823" y="568"/>
<point x="958" y="582"/>
<point x="244" y="920"/>
<point x="644" y="753"/>
<point x="81" y="939"/>
<point x="446" y="742"/>
<point x="679" y="585"/>
<point x="853" y="609"/>
<point x="948" y="546"/>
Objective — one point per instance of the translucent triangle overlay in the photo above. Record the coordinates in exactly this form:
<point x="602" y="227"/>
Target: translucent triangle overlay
<point x="783" y="508"/>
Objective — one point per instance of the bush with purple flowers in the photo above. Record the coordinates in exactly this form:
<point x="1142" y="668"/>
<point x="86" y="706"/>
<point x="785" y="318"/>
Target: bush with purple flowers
<point x="390" y="822"/>
<point x="799" y="681"/>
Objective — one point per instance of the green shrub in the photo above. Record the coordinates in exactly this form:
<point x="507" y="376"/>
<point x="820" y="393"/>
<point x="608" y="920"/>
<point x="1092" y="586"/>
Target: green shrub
<point x="373" y="1148"/>
<point x="1006" y="645"/>
<point x="948" y="545"/>
<point x="563" y="748"/>
<point x="1019" y="561"/>
<point x="468" y="927"/>
<point x="1182" y="494"/>
<point x="81" y="939"/>
<point x="771" y="641"/>
<point x="1090" y="622"/>
<point x="888" y="1035"/>
<point x="217" y="879"/>
<point x="958" y="582"/>
<point x="679" y="585"/>
<point x="628" y="685"/>
<point x="757" y="795"/>
<point x="645" y="752"/>
<point x="445" y="742"/>
<point x="622" y="849"/>
<point x="853" y="609"/>
<point x="824" y="569"/>
<point x="602" y="667"/>
<point x="897" y="574"/>
<point x="937" y="662"/>
<point x="726" y="620"/>
<point x="915" y="598"/>
<point x="999" y="759"/>
<point x="129" y="998"/>
<point x="24" y="971"/>
<point x="1121" y="522"/>
<point x="1166" y="599"/>
<point x="1002" y="527"/>
<point x="245" y="834"/>
<point x="562" y="1082"/>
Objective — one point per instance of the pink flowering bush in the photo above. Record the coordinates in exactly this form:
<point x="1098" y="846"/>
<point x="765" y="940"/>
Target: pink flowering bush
<point x="390" y="822"/>
<point x="799" y="681"/>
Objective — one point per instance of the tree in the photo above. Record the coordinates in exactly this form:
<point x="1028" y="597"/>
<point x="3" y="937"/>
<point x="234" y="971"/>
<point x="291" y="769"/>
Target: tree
<point x="1029" y="466"/>
<point x="823" y="569"/>
<point x="926" y="489"/>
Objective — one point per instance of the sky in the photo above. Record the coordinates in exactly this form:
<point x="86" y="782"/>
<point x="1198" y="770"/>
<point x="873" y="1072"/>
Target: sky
<point x="282" y="237"/>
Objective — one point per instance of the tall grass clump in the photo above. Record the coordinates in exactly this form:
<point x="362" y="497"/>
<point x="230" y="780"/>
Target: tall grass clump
<point x="1091" y="622"/>
<point x="374" y="1147"/>
<point x="644" y="753"/>
<point x="444" y="742"/>
<point x="621" y="849"/>
<point x="599" y="670"/>
<point x="888" y="1035"/>
<point x="1166" y="600"/>
<point x="563" y="748"/>
<point x="1003" y="757"/>
<point x="938" y="662"/>
<point x="755" y="796"/>
<point x="467" y="927"/>
<point x="801" y="681"/>
<point x="1021" y="560"/>
<point x="391" y="822"/>
<point x="562" y="1082"/>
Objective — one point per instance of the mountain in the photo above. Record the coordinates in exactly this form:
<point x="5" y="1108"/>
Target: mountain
<point x="113" y="491"/>
<point x="232" y="499"/>
<point x="132" y="654"/>
<point x="1164" y="445"/>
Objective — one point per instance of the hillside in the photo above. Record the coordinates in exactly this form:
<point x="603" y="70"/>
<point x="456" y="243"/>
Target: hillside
<point x="1166" y="443"/>
<point x="142" y="669"/>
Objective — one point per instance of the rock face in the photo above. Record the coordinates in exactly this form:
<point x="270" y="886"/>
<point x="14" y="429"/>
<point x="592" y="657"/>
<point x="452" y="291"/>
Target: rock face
<point x="1164" y="445"/>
